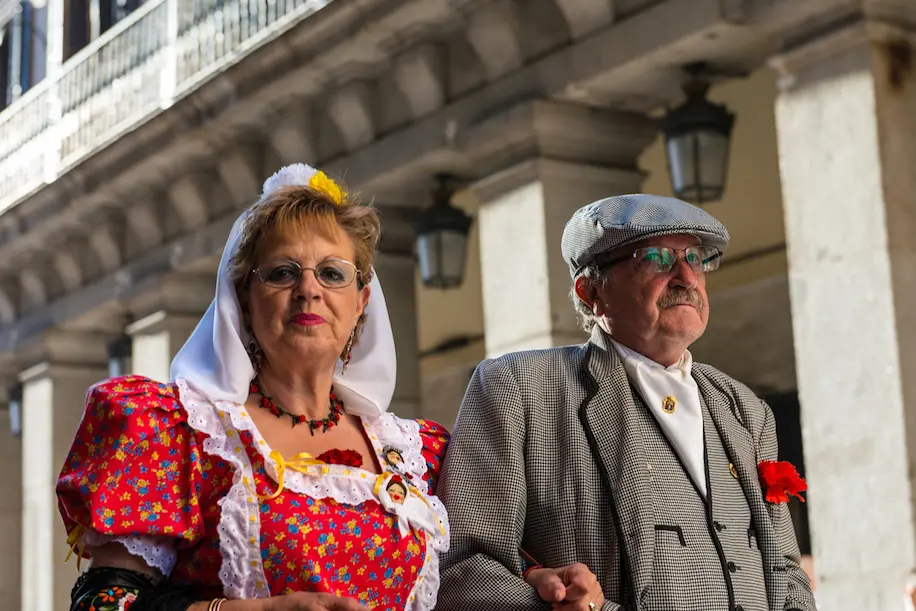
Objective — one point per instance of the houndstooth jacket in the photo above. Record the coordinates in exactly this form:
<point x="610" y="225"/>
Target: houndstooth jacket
<point x="542" y="458"/>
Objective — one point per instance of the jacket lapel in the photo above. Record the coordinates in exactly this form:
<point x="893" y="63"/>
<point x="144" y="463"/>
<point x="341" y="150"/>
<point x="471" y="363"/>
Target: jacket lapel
<point x="736" y="439"/>
<point x="610" y="417"/>
<point x="741" y="449"/>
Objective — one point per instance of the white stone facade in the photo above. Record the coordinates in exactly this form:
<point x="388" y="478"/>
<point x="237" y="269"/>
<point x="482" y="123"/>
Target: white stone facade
<point x="123" y="169"/>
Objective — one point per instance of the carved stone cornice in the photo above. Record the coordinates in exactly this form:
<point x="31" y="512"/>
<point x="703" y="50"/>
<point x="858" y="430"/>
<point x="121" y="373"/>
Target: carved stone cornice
<point x="857" y="31"/>
<point x="63" y="348"/>
<point x="163" y="199"/>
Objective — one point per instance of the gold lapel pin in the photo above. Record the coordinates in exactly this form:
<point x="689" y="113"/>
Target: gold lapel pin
<point x="669" y="404"/>
<point x="733" y="470"/>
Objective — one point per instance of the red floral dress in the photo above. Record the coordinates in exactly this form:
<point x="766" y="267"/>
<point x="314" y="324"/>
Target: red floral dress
<point x="192" y="487"/>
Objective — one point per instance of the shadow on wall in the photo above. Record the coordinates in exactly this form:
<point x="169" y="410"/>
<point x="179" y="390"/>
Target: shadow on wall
<point x="442" y="392"/>
<point x="749" y="336"/>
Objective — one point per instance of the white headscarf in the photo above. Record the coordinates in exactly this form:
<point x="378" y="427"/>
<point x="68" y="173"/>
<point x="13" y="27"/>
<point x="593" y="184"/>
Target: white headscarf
<point x="214" y="360"/>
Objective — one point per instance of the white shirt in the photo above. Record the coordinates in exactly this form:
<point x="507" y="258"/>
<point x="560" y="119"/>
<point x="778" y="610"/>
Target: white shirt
<point x="672" y="396"/>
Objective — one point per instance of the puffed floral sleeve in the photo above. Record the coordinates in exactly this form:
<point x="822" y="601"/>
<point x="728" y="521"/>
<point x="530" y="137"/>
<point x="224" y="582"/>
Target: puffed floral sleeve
<point x="133" y="474"/>
<point x="435" y="441"/>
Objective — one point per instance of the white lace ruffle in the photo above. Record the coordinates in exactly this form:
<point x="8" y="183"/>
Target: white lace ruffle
<point x="157" y="552"/>
<point x="390" y="431"/>
<point x="423" y="595"/>
<point x="242" y="573"/>
<point x="425" y="590"/>
<point x="342" y="483"/>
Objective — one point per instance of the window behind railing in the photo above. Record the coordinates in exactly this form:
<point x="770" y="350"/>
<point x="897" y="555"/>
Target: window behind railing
<point x="23" y="57"/>
<point x="86" y="20"/>
<point x="113" y="11"/>
<point x="34" y="43"/>
<point x="77" y="28"/>
<point x="5" y="93"/>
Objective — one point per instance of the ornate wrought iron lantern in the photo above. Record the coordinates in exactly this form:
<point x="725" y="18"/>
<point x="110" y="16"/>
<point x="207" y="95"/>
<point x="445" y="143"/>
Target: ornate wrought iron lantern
<point x="697" y="142"/>
<point x="441" y="238"/>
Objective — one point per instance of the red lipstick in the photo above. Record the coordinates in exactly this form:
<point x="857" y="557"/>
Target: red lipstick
<point x="307" y="319"/>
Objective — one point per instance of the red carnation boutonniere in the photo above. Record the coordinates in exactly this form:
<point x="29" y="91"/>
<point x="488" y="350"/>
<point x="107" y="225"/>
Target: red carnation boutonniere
<point x="351" y="458"/>
<point x="779" y="480"/>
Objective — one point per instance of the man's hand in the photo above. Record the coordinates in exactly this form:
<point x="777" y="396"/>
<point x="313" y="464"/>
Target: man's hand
<point x="570" y="588"/>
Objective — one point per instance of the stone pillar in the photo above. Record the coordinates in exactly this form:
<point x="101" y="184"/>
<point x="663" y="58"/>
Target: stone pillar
<point x="396" y="271"/>
<point x="526" y="283"/>
<point x="545" y="161"/>
<point x="164" y="317"/>
<point x="10" y="508"/>
<point x="846" y="120"/>
<point x="156" y="339"/>
<point x="53" y="402"/>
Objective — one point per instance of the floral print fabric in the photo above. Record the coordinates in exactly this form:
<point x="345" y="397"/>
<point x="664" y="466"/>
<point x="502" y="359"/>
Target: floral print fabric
<point x="138" y="469"/>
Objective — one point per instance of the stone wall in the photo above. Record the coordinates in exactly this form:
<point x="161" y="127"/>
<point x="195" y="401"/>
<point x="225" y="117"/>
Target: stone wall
<point x="749" y="335"/>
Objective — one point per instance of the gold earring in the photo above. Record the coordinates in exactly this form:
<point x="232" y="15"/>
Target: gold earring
<point x="347" y="350"/>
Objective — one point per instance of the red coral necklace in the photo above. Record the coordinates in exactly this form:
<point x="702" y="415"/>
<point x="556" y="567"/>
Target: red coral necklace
<point x="324" y="424"/>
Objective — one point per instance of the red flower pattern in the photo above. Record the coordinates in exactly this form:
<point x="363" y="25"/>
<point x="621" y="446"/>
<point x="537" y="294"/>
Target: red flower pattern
<point x="779" y="480"/>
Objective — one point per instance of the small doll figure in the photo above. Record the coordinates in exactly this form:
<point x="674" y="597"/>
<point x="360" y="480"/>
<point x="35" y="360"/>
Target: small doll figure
<point x="397" y="490"/>
<point x="393" y="457"/>
<point x="411" y="507"/>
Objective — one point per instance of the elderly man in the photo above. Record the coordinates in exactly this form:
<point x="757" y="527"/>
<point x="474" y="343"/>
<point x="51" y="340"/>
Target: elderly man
<point x="619" y="474"/>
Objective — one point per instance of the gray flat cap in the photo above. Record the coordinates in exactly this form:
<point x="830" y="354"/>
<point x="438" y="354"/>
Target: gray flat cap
<point x="617" y="221"/>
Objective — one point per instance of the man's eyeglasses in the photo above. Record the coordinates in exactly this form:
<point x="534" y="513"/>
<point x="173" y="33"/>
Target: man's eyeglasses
<point x="332" y="274"/>
<point x="660" y="259"/>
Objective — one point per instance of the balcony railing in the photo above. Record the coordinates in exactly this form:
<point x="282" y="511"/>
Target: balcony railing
<point x="162" y="51"/>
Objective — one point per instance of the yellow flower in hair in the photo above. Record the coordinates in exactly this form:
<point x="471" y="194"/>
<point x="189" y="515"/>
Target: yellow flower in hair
<point x="320" y="182"/>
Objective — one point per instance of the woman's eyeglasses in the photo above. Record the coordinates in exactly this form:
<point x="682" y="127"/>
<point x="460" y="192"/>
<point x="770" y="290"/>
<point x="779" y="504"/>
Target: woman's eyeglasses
<point x="332" y="274"/>
<point x="660" y="259"/>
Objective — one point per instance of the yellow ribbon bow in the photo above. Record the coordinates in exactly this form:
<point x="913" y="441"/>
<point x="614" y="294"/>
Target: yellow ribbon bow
<point x="302" y="462"/>
<point x="299" y="462"/>
<point x="76" y="545"/>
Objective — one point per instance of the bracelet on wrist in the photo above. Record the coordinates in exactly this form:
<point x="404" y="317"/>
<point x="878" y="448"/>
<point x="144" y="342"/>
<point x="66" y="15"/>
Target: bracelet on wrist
<point x="215" y="604"/>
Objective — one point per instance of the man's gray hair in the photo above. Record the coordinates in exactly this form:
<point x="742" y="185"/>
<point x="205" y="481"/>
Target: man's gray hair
<point x="595" y="276"/>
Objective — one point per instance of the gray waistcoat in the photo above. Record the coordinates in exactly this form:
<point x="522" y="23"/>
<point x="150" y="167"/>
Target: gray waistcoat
<point x="706" y="554"/>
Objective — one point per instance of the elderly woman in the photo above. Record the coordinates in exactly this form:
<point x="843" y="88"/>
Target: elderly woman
<point x="259" y="477"/>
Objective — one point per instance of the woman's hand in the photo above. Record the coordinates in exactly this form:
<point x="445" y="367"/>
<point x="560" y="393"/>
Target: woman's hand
<point x="570" y="588"/>
<point x="308" y="601"/>
<point x="298" y="601"/>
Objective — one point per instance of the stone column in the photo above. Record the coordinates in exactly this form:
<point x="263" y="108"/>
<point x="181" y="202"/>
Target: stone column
<point x="579" y="156"/>
<point x="165" y="315"/>
<point x="156" y="339"/>
<point x="53" y="401"/>
<point x="396" y="271"/>
<point x="846" y="117"/>
<point x="10" y="506"/>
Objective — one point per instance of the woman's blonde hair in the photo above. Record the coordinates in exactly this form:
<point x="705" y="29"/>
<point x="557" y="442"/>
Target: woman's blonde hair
<point x="298" y="210"/>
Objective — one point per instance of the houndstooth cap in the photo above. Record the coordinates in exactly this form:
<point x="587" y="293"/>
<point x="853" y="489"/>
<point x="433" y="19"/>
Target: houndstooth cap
<point x="613" y="222"/>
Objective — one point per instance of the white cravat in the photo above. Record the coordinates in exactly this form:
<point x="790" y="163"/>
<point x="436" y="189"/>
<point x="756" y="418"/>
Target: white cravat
<point x="682" y="421"/>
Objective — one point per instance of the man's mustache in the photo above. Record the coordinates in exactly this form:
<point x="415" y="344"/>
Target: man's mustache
<point x="680" y="296"/>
